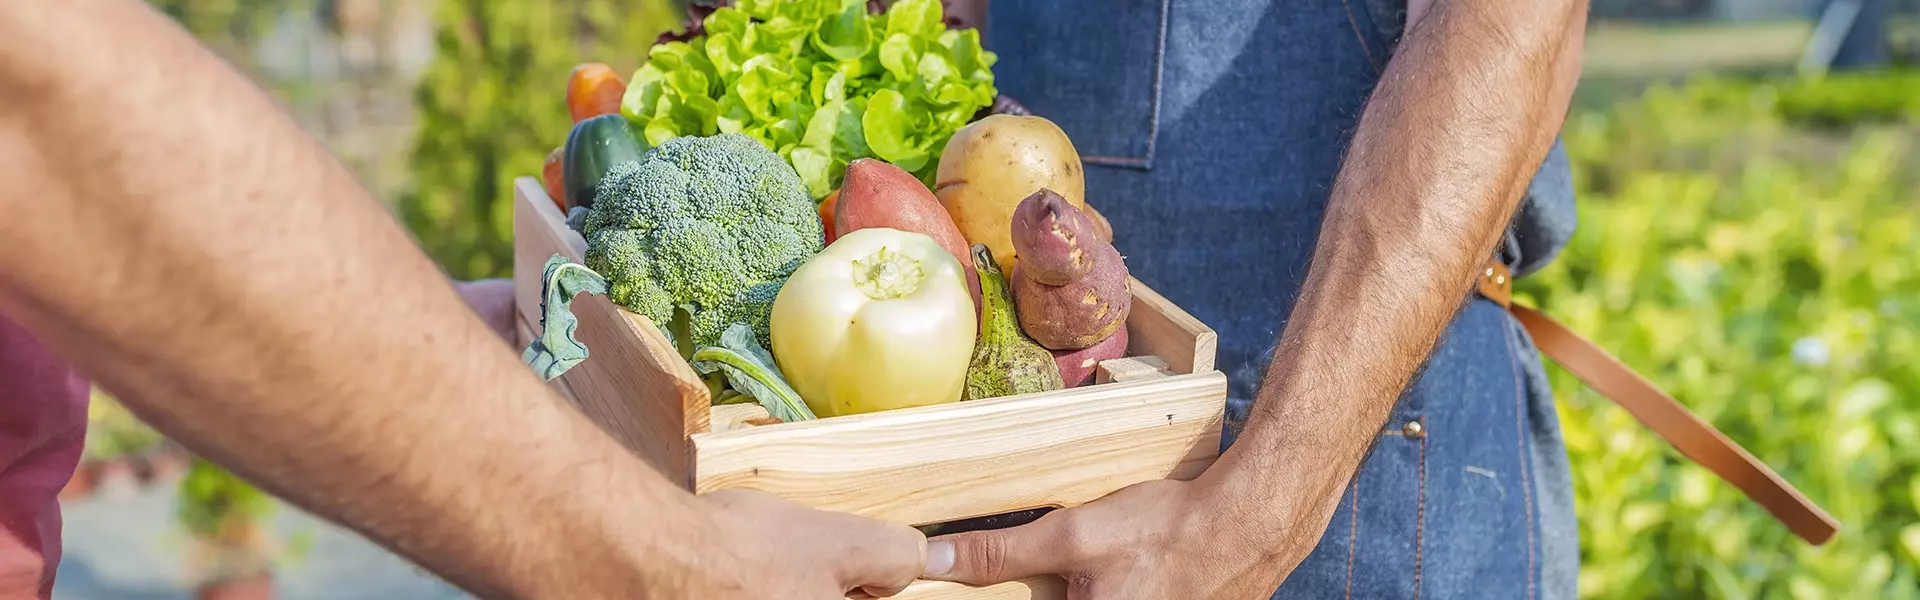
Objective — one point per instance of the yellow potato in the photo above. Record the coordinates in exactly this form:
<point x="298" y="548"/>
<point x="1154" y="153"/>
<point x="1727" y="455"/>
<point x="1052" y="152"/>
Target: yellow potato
<point x="992" y="164"/>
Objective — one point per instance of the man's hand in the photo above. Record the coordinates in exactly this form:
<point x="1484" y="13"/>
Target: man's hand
<point x="492" y="300"/>
<point x="788" y="551"/>
<point x="1160" y="539"/>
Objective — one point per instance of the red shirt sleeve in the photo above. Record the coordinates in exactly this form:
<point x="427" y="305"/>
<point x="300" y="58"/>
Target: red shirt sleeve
<point x="43" y="420"/>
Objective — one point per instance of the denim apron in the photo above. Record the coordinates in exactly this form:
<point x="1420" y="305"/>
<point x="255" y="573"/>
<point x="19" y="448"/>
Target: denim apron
<point x="1212" y="131"/>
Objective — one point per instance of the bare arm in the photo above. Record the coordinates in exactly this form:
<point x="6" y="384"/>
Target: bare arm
<point x="188" y="246"/>
<point x="1461" y="119"/>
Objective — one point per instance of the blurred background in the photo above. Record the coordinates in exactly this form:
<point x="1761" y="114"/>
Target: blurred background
<point x="1749" y="182"/>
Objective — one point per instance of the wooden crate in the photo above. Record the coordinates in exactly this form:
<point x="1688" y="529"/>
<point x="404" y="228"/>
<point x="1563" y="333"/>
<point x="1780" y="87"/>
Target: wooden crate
<point x="1154" y="415"/>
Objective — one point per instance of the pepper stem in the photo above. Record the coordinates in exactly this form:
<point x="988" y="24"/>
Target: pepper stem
<point x="887" y="275"/>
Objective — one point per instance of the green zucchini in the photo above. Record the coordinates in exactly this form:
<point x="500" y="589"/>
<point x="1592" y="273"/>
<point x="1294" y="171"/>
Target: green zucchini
<point x="594" y="146"/>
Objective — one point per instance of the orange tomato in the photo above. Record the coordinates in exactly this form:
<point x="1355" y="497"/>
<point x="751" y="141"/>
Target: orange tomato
<point x="550" y="174"/>
<point x="826" y="213"/>
<point x="593" y="90"/>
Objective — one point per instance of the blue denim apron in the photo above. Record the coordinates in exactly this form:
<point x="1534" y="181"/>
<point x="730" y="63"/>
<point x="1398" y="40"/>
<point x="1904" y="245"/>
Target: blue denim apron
<point x="1212" y="131"/>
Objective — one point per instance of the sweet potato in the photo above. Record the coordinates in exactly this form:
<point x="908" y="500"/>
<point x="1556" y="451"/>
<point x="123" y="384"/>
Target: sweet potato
<point x="1070" y="286"/>
<point x="1078" y="314"/>
<point x="1100" y="224"/>
<point x="1053" y="239"/>
<point x="1078" y="367"/>
<point x="877" y="194"/>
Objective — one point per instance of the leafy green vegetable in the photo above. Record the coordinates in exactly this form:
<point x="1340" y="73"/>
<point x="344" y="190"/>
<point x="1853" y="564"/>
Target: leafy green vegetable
<point x="751" y="370"/>
<point x="1769" y="281"/>
<point x="577" y="218"/>
<point x="821" y="82"/>
<point x="557" y="350"/>
<point x="713" y="223"/>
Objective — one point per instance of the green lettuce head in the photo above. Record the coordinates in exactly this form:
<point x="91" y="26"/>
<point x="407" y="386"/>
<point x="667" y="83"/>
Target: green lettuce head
<point x="821" y="82"/>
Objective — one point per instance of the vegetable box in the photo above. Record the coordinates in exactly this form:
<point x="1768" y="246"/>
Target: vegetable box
<point x="1156" y="414"/>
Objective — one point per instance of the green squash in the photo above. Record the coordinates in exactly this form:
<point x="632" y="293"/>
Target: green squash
<point x="594" y="146"/>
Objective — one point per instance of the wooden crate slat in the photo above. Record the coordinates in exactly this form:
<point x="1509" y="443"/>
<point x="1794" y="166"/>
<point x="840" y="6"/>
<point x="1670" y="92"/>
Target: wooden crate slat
<point x="1132" y="368"/>
<point x="649" y="402"/>
<point x="970" y="459"/>
<point x="728" y="417"/>
<point x="1156" y="327"/>
<point x="1033" y="588"/>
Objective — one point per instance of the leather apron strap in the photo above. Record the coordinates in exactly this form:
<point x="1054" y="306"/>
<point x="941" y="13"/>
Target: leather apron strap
<point x="1687" y="432"/>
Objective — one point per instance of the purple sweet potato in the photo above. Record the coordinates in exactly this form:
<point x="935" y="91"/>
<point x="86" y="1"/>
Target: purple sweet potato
<point x="1053" y="239"/>
<point x="1078" y="367"/>
<point x="1078" y="314"/>
<point x="1070" y="286"/>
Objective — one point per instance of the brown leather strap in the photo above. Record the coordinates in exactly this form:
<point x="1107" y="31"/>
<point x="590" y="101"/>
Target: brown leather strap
<point x="1687" y="432"/>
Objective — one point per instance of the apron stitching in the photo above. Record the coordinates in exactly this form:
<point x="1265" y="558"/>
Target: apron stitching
<point x="1353" y="537"/>
<point x="1520" y="430"/>
<point x="1159" y="72"/>
<point x="1348" y="4"/>
<point x="1420" y="524"/>
<point x="1153" y="123"/>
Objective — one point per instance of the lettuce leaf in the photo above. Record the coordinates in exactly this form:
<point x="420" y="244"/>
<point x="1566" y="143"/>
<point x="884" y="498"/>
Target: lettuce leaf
<point x="821" y="82"/>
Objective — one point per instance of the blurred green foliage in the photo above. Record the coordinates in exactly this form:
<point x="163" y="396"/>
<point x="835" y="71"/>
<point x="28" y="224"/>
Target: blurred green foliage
<point x="1750" y="246"/>
<point x="113" y="432"/>
<point x="493" y="105"/>
<point x="228" y="26"/>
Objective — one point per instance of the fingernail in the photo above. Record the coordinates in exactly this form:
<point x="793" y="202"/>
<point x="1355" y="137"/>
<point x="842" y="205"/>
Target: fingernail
<point x="939" y="559"/>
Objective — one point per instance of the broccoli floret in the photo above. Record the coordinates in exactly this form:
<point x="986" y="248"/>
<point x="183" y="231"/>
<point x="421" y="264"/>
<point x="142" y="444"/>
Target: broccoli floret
<point x="715" y="223"/>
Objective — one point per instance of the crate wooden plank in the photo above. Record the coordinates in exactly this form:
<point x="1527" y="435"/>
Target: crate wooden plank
<point x="633" y="385"/>
<point x="971" y="459"/>
<point x="1132" y="368"/>
<point x="1035" y="588"/>
<point x="1156" y="327"/>
<point x="539" y="232"/>
<point x="728" y="417"/>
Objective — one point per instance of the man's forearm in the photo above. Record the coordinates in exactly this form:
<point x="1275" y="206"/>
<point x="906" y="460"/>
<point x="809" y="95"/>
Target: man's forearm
<point x="1461" y="119"/>
<point x="163" y="217"/>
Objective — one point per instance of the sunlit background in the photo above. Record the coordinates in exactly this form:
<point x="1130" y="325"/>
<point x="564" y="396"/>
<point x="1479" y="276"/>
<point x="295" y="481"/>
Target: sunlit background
<point x="1748" y="178"/>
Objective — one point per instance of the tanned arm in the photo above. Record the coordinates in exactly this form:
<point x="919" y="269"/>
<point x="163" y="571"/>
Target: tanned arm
<point x="1462" y="118"/>
<point x="175" y="235"/>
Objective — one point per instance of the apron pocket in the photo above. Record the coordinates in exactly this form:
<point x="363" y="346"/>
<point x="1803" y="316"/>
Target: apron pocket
<point x="1107" y="101"/>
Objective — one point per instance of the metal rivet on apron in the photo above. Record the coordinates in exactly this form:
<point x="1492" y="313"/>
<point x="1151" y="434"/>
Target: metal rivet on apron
<point x="1413" y="429"/>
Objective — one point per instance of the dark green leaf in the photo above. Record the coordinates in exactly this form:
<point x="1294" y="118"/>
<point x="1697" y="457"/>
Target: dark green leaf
<point x="751" y="370"/>
<point x="556" y="350"/>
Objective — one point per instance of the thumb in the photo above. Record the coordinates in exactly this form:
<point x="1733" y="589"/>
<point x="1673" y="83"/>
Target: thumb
<point x="881" y="559"/>
<point x="1043" y="547"/>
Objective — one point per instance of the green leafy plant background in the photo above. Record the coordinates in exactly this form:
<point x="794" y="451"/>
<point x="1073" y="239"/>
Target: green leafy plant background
<point x="1753" y="247"/>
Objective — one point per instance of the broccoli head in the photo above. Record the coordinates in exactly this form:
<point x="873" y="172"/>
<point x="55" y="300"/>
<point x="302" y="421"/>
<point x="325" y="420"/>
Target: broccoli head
<point x="713" y="223"/>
